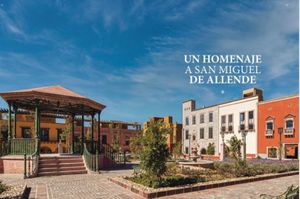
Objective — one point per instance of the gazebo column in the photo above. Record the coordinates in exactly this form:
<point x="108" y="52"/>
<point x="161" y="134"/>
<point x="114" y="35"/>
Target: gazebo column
<point x="9" y="122"/>
<point x="72" y="131"/>
<point x="93" y="133"/>
<point x="82" y="133"/>
<point x="98" y="136"/>
<point x="15" y="121"/>
<point x="37" y="127"/>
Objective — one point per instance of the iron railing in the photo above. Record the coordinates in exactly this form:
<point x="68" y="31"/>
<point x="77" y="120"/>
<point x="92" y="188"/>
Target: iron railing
<point x="19" y="146"/>
<point x="91" y="160"/>
<point x="31" y="162"/>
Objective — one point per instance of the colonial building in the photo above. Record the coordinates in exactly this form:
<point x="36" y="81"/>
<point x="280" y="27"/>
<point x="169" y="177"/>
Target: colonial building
<point x="200" y="128"/>
<point x="278" y="128"/>
<point x="239" y="118"/>
<point x="113" y="133"/>
<point x="175" y="135"/>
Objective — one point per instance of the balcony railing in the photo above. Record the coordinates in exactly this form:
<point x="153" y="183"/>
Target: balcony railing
<point x="223" y="128"/>
<point x="250" y="127"/>
<point x="289" y="131"/>
<point x="269" y="132"/>
<point x="242" y="127"/>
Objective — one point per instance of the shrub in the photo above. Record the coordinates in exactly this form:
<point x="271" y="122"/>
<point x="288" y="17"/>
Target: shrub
<point x="203" y="151"/>
<point x="3" y="187"/>
<point x="210" y="149"/>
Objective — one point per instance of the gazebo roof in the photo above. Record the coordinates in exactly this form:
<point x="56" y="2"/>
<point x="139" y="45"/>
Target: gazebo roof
<point x="52" y="99"/>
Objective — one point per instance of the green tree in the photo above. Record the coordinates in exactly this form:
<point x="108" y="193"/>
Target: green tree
<point x="234" y="147"/>
<point x="176" y="150"/>
<point x="136" y="145"/>
<point x="210" y="149"/>
<point x="155" y="150"/>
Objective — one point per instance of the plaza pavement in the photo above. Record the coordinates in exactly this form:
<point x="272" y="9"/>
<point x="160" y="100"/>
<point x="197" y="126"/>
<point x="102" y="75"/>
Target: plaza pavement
<point x="96" y="186"/>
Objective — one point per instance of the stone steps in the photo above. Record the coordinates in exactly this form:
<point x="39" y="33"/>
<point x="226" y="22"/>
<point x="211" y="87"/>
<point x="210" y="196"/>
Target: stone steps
<point x="61" y="165"/>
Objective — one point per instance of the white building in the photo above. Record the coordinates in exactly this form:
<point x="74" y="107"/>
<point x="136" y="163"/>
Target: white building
<point x="217" y="124"/>
<point x="239" y="118"/>
<point x="199" y="128"/>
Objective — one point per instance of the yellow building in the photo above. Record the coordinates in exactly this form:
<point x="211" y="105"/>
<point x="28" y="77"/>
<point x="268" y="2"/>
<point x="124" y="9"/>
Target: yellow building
<point x="50" y="130"/>
<point x="175" y="136"/>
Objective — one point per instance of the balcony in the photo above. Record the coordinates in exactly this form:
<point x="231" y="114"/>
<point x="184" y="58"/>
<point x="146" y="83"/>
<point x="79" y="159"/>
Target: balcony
<point x="269" y="132"/>
<point x="251" y="127"/>
<point x="242" y="127"/>
<point x="289" y="131"/>
<point x="223" y="128"/>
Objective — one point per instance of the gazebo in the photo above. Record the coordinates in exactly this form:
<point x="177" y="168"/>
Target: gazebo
<point x="51" y="100"/>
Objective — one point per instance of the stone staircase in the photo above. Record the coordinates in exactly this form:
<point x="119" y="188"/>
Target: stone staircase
<point x="61" y="165"/>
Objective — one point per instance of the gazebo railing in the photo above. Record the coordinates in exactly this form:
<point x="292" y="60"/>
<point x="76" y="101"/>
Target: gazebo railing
<point x="115" y="156"/>
<point x="31" y="163"/>
<point x="21" y="146"/>
<point x="91" y="160"/>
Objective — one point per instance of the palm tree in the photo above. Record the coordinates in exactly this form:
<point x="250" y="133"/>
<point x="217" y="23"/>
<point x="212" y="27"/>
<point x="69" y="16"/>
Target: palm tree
<point x="234" y="147"/>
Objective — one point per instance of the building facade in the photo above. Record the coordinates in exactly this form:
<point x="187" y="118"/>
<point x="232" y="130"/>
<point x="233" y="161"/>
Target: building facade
<point x="278" y="127"/>
<point x="200" y="129"/>
<point x="113" y="133"/>
<point x="175" y="135"/>
<point x="239" y="118"/>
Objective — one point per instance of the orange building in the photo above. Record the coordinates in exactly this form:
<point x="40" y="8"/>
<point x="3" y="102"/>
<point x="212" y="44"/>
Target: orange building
<point x="278" y="128"/>
<point x="113" y="133"/>
<point x="176" y="130"/>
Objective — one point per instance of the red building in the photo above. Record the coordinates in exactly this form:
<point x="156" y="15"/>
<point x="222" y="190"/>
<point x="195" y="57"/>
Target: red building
<point x="278" y="128"/>
<point x="114" y="133"/>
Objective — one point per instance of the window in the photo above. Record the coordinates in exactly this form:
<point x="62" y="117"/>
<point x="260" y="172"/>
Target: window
<point x="186" y="150"/>
<point x="210" y="117"/>
<point x="230" y="121"/>
<point x="26" y="132"/>
<point x="194" y="119"/>
<point x="59" y="132"/>
<point x="289" y="123"/>
<point x="4" y="116"/>
<point x="242" y="121"/>
<point x="201" y="118"/>
<point x="289" y="126"/>
<point x="202" y="133"/>
<point x="251" y="120"/>
<point x="223" y="120"/>
<point x="44" y="134"/>
<point x="186" y="134"/>
<point x="187" y="121"/>
<point x="127" y="140"/>
<point x="242" y="118"/>
<point x="272" y="152"/>
<point x="210" y="133"/>
<point x="269" y="127"/>
<point x="104" y="139"/>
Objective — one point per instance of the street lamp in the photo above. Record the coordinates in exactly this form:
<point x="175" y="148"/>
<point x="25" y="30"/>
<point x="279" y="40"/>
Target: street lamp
<point x="280" y="130"/>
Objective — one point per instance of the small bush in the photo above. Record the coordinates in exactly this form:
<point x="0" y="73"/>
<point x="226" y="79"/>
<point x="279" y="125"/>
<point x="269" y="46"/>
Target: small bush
<point x="166" y="181"/>
<point x="3" y="187"/>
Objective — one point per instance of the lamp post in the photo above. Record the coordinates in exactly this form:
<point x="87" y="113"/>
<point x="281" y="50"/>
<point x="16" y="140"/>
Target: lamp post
<point x="280" y="130"/>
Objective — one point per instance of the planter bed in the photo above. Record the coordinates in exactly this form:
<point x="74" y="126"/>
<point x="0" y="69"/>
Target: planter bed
<point x="14" y="192"/>
<point x="147" y="192"/>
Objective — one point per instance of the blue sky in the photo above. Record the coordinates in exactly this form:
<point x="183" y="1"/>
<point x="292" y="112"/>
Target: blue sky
<point x="128" y="55"/>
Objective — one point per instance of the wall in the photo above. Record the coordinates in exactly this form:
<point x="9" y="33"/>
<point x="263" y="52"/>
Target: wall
<point x="277" y="109"/>
<point x="194" y="129"/>
<point x="235" y="108"/>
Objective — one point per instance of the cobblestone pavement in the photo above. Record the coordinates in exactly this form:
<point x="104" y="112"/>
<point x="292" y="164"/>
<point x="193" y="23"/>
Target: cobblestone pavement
<point x="89" y="186"/>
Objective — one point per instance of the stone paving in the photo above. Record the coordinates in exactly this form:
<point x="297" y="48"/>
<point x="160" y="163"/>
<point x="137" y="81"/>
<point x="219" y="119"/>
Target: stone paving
<point x="89" y="186"/>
